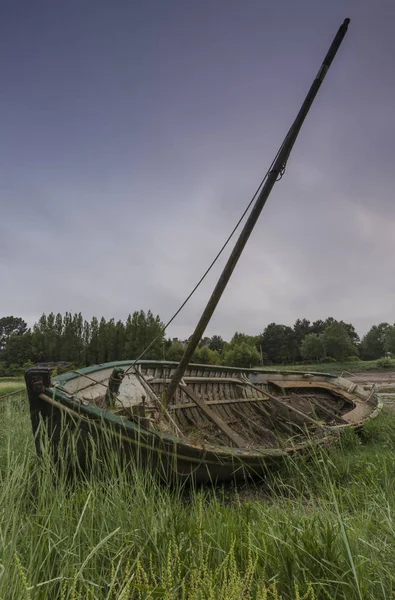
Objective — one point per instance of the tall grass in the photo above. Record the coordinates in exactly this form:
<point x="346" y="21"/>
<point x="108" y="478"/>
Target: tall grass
<point x="319" y="528"/>
<point x="10" y="384"/>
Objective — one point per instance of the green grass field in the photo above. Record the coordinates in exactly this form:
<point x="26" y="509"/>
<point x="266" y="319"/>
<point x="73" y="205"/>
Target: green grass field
<point x="320" y="528"/>
<point x="11" y="384"/>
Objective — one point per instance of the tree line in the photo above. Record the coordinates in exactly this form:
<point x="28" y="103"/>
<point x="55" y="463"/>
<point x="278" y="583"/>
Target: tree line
<point x="71" y="338"/>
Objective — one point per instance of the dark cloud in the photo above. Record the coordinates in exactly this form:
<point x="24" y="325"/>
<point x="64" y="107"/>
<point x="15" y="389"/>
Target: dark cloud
<point x="133" y="137"/>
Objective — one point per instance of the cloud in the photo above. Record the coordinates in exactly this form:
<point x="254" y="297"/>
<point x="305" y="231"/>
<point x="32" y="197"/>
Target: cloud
<point x="129" y="158"/>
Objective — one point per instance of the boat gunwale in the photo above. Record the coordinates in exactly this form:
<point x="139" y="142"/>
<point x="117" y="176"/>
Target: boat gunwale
<point x="95" y="413"/>
<point x="163" y="363"/>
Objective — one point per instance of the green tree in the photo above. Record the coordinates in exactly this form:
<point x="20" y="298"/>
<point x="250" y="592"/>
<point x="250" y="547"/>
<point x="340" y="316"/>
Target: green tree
<point x="373" y="343"/>
<point x="301" y="329"/>
<point x="318" y="326"/>
<point x="19" y="350"/>
<point x="175" y="351"/>
<point x="238" y="338"/>
<point x="205" y="341"/>
<point x="92" y="353"/>
<point x="240" y="355"/>
<point x="78" y="339"/>
<point x="141" y="330"/>
<point x="50" y="338"/>
<point x="10" y="326"/>
<point x="338" y="343"/>
<point x="389" y="344"/>
<point x="205" y="356"/>
<point x="279" y="344"/>
<point x="119" y="349"/>
<point x="111" y="340"/>
<point x="86" y="341"/>
<point x="102" y="342"/>
<point x="216" y="343"/>
<point x="67" y="347"/>
<point x="58" y="327"/>
<point x="351" y="332"/>
<point x="39" y="340"/>
<point x="313" y="347"/>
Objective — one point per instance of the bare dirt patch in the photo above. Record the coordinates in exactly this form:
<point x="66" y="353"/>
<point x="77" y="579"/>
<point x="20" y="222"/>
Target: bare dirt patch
<point x="384" y="384"/>
<point x="387" y="377"/>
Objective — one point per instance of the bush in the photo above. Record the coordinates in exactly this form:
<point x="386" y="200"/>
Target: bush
<point x="384" y="363"/>
<point x="14" y="370"/>
<point x="205" y="356"/>
<point x="353" y="358"/>
<point x="241" y="355"/>
<point x="176" y="351"/>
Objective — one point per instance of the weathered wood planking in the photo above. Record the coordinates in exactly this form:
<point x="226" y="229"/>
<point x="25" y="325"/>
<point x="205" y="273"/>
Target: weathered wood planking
<point x="232" y="435"/>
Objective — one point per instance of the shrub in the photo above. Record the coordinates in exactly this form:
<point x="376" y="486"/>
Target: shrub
<point x="384" y="363"/>
<point x="241" y="355"/>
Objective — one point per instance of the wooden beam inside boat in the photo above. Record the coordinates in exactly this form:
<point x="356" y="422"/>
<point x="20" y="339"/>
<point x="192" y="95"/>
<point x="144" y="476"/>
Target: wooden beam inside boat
<point x="275" y="422"/>
<point x="326" y="410"/>
<point x="224" y="427"/>
<point x="196" y="380"/>
<point x="329" y="387"/>
<point x="270" y="435"/>
<point x="182" y="405"/>
<point x="287" y="407"/>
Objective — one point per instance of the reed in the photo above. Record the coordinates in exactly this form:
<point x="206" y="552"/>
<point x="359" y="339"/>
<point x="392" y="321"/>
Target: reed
<point x="320" y="527"/>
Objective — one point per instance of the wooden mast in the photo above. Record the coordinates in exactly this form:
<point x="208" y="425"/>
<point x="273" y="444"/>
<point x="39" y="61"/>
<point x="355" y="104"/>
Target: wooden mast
<point x="273" y="175"/>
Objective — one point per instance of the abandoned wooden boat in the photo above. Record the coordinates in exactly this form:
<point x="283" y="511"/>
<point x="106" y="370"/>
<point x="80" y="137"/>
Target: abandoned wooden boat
<point x="223" y="423"/>
<point x="212" y="423"/>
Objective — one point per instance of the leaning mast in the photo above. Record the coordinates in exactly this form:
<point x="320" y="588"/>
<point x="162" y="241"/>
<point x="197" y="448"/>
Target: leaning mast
<point x="275" y="172"/>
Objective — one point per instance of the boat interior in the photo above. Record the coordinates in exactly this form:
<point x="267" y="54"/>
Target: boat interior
<point x="224" y="406"/>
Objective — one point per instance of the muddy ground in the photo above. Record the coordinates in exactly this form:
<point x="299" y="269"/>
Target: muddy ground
<point x="383" y="382"/>
<point x="377" y="377"/>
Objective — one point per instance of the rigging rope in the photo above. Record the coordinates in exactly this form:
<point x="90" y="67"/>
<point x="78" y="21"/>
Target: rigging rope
<point x="163" y="329"/>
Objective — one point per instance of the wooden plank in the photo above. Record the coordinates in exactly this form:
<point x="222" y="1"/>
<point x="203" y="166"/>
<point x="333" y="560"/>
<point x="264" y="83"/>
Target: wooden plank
<point x="261" y="410"/>
<point x="198" y="417"/>
<point x="301" y="403"/>
<point x="325" y="410"/>
<point x="189" y="417"/>
<point x="183" y="405"/>
<point x="181" y="419"/>
<point x="202" y="379"/>
<point x="249" y="410"/>
<point x="257" y="426"/>
<point x="230" y="415"/>
<point x="287" y="407"/>
<point x="276" y="384"/>
<point x="323" y="385"/>
<point x="219" y="410"/>
<point x="205" y="408"/>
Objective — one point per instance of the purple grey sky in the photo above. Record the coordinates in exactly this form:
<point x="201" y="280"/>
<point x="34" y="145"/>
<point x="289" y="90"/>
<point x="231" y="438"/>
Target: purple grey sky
<point x="133" y="135"/>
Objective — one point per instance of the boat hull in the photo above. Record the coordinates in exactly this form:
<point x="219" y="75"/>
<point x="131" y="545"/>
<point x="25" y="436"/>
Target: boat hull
<point x="84" y="436"/>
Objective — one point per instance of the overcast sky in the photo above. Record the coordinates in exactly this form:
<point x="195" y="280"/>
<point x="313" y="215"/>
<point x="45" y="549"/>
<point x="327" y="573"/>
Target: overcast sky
<point x="133" y="135"/>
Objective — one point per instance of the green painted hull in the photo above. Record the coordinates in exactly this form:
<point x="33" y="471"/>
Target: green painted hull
<point x="92" y="432"/>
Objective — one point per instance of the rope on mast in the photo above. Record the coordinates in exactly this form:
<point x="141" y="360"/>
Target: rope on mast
<point x="163" y="329"/>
